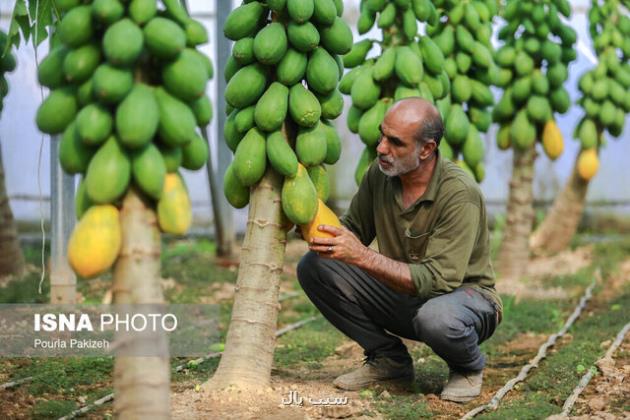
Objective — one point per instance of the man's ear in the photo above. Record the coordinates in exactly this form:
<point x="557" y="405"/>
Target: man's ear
<point x="427" y="149"/>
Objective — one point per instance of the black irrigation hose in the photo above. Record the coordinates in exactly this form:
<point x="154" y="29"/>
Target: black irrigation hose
<point x="542" y="353"/>
<point x="110" y="397"/>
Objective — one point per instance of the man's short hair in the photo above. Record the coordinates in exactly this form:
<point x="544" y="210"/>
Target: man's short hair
<point x="432" y="129"/>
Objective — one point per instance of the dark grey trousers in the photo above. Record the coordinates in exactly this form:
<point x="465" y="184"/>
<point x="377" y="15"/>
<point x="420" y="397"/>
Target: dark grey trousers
<point x="363" y="308"/>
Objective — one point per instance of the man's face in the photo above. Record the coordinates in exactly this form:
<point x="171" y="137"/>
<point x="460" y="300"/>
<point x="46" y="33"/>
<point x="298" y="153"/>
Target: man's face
<point x="398" y="151"/>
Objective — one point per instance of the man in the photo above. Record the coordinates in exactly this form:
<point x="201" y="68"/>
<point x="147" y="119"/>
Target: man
<point x="431" y="279"/>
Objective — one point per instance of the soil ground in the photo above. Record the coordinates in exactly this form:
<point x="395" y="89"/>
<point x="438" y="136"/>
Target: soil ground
<point x="308" y="359"/>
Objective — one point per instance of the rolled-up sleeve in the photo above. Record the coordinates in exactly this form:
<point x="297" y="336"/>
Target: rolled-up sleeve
<point x="448" y="251"/>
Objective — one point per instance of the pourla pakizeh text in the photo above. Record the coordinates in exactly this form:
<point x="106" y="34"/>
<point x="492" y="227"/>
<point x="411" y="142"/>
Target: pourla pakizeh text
<point x="295" y="399"/>
<point x="73" y="343"/>
<point x="51" y="322"/>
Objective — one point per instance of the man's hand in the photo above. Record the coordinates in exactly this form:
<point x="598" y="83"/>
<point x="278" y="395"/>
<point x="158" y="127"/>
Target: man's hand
<point x="345" y="246"/>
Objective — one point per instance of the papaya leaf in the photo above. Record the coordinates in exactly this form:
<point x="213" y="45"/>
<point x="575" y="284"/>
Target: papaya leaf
<point x="19" y="21"/>
<point x="41" y="13"/>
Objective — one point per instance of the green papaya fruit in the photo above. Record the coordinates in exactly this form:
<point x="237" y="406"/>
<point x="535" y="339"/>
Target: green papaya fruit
<point x="57" y="111"/>
<point x="185" y="77"/>
<point x="271" y="109"/>
<point x="110" y="85"/>
<point x="281" y="155"/>
<point x="310" y="145"/>
<point x="432" y="54"/>
<point x="322" y="73"/>
<point x="243" y="20"/>
<point x="384" y="66"/>
<point x="370" y="124"/>
<point x="142" y="11"/>
<point x="123" y="42"/>
<point x="333" y="143"/>
<point x="94" y="124"/>
<point x="522" y="132"/>
<point x="243" y="51"/>
<point x="408" y="66"/>
<point x="365" y="92"/>
<point x="357" y="54"/>
<point x="50" y="70"/>
<point x="195" y="153"/>
<point x="164" y="38"/>
<point x="108" y="173"/>
<point x="304" y="107"/>
<point x="177" y="121"/>
<point x="337" y="38"/>
<point x="149" y="170"/>
<point x="246" y="86"/>
<point x="79" y="64"/>
<point x="319" y="178"/>
<point x="107" y="11"/>
<point x="137" y="117"/>
<point x="299" y="197"/>
<point x="587" y="134"/>
<point x="236" y="193"/>
<point x="81" y="201"/>
<point x="250" y="159"/>
<point x="324" y="12"/>
<point x="74" y="155"/>
<point x="331" y="104"/>
<point x="75" y="28"/>
<point x="303" y="37"/>
<point x="292" y="68"/>
<point x="244" y="119"/>
<point x="457" y="125"/>
<point x="270" y="44"/>
<point x="538" y="109"/>
<point x="202" y="109"/>
<point x="172" y="157"/>
<point x="300" y="10"/>
<point x="354" y="116"/>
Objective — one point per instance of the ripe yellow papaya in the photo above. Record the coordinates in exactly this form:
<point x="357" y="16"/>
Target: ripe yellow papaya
<point x="95" y="242"/>
<point x="174" y="208"/>
<point x="552" y="140"/>
<point x="324" y="216"/>
<point x="588" y="163"/>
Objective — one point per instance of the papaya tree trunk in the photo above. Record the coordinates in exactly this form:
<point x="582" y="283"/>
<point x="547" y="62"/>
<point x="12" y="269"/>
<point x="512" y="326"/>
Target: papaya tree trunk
<point x="555" y="232"/>
<point x="141" y="384"/>
<point x="11" y="257"/>
<point x="514" y="251"/>
<point x="248" y="356"/>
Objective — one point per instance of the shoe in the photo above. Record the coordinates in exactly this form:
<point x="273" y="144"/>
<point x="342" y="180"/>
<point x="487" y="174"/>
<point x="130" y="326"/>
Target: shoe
<point x="378" y="370"/>
<point x="462" y="386"/>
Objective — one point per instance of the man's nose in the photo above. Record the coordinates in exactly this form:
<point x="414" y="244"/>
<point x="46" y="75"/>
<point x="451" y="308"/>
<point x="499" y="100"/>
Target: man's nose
<point x="381" y="148"/>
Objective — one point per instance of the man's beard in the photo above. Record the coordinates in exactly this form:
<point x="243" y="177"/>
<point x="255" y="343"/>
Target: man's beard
<point x="399" y="167"/>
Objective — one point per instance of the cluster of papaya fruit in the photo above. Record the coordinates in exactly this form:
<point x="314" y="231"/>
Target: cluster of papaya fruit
<point x="464" y="38"/>
<point x="273" y="116"/>
<point x="535" y="67"/>
<point x="128" y="95"/>
<point x="7" y="64"/>
<point x="606" y="88"/>
<point x="408" y="66"/>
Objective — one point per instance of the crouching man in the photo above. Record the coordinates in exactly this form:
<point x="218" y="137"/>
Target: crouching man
<point x="431" y="279"/>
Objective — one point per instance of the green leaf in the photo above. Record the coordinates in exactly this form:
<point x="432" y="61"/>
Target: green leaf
<point x="43" y="11"/>
<point x="19" y="20"/>
<point x="580" y="368"/>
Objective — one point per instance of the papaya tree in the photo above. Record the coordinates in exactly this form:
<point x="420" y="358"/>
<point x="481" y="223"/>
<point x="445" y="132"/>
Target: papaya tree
<point x="281" y="93"/>
<point x="454" y="72"/>
<point x="11" y="256"/>
<point x="605" y="99"/>
<point x="127" y="95"/>
<point x="537" y="50"/>
<point x="464" y="36"/>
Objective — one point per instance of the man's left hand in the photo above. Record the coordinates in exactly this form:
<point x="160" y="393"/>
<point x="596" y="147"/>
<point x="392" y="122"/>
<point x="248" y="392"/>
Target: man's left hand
<point x="345" y="246"/>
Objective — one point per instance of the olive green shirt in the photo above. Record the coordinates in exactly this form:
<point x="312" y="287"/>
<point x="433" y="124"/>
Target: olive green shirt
<point x="443" y="236"/>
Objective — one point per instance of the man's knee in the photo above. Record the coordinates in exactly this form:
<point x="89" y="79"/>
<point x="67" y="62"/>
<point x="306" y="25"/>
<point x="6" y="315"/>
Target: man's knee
<point x="309" y="268"/>
<point x="436" y="324"/>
